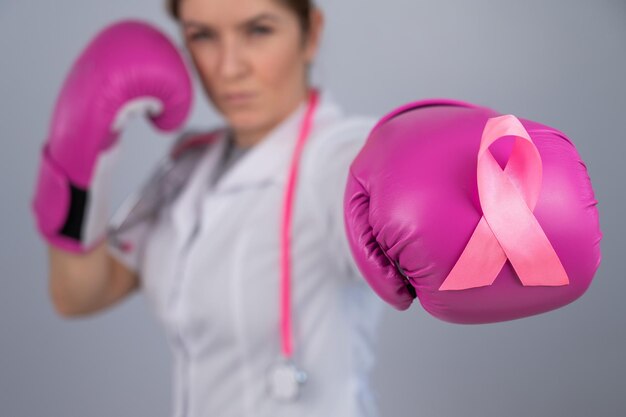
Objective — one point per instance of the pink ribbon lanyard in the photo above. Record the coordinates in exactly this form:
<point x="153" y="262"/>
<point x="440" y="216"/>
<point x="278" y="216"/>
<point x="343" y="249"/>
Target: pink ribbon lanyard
<point x="285" y="261"/>
<point x="508" y="228"/>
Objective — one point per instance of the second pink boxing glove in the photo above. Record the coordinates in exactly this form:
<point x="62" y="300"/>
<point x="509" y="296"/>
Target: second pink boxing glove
<point x="130" y="67"/>
<point x="483" y="217"/>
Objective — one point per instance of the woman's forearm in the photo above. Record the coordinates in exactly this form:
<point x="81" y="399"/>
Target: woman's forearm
<point x="87" y="283"/>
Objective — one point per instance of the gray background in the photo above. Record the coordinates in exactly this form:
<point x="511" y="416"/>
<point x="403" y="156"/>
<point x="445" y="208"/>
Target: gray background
<point x="560" y="62"/>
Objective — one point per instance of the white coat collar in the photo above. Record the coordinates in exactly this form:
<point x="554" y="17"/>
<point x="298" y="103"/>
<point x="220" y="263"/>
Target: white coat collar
<point x="263" y="164"/>
<point x="268" y="161"/>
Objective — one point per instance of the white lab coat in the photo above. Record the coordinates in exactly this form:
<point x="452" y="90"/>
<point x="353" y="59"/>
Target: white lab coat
<point x="209" y="266"/>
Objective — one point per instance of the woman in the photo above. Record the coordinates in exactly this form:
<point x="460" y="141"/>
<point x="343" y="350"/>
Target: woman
<point x="210" y="260"/>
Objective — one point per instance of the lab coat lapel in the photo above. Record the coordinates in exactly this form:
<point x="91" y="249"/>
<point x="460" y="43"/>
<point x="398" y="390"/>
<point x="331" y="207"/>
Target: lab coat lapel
<point x="265" y="162"/>
<point x="185" y="209"/>
<point x="268" y="161"/>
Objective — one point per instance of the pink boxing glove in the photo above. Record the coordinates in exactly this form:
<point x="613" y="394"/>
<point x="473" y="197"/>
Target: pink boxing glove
<point x="130" y="67"/>
<point x="484" y="218"/>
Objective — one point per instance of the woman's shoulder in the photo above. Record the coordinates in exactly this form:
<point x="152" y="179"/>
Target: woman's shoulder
<point x="344" y="134"/>
<point x="335" y="123"/>
<point x="354" y="125"/>
<point x="331" y="150"/>
<point x="194" y="141"/>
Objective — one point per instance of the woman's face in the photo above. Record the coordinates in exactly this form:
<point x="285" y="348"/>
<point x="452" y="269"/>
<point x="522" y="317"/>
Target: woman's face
<point x="251" y="57"/>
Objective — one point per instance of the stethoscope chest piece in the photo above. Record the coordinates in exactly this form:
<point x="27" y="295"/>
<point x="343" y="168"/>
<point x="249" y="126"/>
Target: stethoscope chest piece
<point x="286" y="381"/>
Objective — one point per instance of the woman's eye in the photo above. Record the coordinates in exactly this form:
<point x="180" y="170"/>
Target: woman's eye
<point x="201" y="36"/>
<point x="260" y="30"/>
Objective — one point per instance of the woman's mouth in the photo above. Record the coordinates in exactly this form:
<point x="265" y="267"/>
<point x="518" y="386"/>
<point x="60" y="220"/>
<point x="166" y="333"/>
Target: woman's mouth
<point x="238" y="97"/>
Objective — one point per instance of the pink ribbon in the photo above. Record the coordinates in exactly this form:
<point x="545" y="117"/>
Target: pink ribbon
<point x="508" y="228"/>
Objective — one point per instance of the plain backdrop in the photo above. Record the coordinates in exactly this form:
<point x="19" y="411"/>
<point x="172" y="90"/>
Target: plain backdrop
<point x="559" y="62"/>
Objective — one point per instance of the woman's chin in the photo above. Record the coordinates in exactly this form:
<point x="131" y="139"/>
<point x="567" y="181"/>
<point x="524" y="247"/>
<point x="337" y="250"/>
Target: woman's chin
<point x="245" y="121"/>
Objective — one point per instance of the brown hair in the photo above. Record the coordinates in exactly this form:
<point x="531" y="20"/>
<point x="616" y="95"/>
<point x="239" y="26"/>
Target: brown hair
<point x="302" y="9"/>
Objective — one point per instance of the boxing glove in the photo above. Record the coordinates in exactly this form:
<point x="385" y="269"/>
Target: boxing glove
<point x="128" y="68"/>
<point x="482" y="217"/>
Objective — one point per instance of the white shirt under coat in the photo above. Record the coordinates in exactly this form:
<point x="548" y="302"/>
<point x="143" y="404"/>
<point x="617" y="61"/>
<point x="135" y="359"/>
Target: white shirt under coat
<point x="209" y="266"/>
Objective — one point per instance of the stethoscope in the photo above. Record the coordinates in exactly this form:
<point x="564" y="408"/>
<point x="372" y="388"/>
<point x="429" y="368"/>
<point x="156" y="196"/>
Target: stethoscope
<point x="285" y="378"/>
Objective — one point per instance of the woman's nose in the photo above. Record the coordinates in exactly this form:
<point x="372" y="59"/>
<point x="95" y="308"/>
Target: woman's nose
<point x="232" y="63"/>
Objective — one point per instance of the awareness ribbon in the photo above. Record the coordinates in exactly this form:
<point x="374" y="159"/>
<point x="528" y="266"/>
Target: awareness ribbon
<point x="508" y="228"/>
